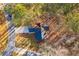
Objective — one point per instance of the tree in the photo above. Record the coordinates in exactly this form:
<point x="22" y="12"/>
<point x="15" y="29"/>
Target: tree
<point x="73" y="22"/>
<point x="2" y="17"/>
<point x="19" y="12"/>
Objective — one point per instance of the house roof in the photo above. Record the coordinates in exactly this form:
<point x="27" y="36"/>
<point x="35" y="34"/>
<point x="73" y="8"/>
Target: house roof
<point x="22" y="29"/>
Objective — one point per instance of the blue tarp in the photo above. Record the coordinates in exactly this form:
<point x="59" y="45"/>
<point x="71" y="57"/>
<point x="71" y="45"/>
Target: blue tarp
<point x="37" y="32"/>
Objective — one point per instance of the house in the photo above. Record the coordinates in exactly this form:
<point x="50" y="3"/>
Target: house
<point x="30" y="31"/>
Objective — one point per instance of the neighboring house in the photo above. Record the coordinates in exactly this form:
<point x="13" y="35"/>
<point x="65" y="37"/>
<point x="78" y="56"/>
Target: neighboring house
<point x="37" y="32"/>
<point x="29" y="31"/>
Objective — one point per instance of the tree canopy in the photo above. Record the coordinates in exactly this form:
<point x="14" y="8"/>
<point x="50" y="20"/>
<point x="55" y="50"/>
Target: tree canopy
<point x="24" y="13"/>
